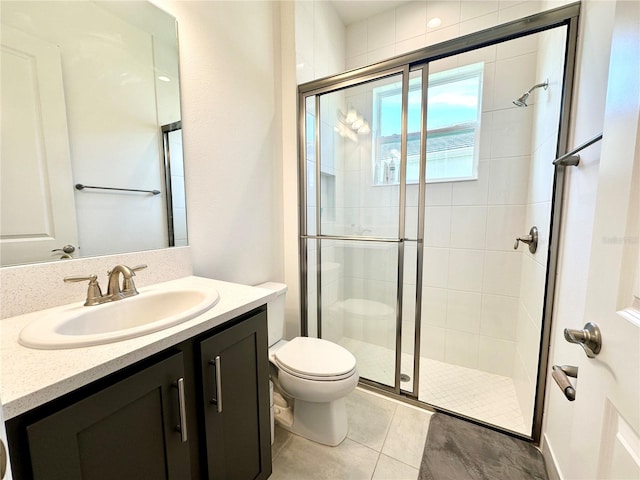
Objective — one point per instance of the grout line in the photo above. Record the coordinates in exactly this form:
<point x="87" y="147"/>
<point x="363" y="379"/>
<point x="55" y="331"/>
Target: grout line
<point x="373" y="473"/>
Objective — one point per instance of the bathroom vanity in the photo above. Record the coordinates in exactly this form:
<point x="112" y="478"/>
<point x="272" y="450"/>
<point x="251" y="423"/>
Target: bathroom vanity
<point x="191" y="401"/>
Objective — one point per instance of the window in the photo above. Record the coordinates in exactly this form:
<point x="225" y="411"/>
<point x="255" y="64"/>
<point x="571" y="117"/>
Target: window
<point x="453" y="127"/>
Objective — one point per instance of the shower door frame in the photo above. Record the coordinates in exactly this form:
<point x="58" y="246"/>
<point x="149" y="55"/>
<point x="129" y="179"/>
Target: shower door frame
<point x="565" y="16"/>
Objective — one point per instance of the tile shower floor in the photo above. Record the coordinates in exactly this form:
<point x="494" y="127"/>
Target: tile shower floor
<point x="484" y="396"/>
<point x="385" y="441"/>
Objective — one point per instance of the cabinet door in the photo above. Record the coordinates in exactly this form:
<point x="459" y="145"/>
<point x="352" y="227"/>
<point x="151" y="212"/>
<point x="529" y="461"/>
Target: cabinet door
<point x="126" y="431"/>
<point x="235" y="377"/>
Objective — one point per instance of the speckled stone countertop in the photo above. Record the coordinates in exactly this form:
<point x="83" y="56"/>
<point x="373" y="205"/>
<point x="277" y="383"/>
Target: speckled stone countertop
<point x="31" y="377"/>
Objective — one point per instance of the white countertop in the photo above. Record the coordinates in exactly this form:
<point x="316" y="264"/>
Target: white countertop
<point x="30" y="377"/>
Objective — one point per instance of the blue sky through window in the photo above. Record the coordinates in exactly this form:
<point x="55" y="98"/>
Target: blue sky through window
<point x="451" y="102"/>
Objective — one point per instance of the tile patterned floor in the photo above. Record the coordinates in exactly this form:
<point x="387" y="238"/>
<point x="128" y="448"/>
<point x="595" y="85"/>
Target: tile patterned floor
<point x="385" y="441"/>
<point x="485" y="396"/>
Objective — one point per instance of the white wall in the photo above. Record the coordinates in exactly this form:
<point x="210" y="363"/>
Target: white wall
<point x="229" y="62"/>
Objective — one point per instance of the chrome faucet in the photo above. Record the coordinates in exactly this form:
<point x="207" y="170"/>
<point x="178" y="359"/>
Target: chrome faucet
<point x="114" y="292"/>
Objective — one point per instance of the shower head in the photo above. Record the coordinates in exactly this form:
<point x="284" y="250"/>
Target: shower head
<point x="522" y="101"/>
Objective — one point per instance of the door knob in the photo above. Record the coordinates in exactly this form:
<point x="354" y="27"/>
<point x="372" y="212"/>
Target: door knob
<point x="66" y="249"/>
<point x="531" y="240"/>
<point x="589" y="338"/>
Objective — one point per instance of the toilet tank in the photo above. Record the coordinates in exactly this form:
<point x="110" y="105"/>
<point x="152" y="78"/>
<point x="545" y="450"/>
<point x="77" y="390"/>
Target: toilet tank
<point x="275" y="311"/>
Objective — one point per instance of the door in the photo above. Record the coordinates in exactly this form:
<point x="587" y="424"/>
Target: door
<point x="37" y="203"/>
<point x="127" y="430"/>
<point x="235" y="400"/>
<point x="604" y="433"/>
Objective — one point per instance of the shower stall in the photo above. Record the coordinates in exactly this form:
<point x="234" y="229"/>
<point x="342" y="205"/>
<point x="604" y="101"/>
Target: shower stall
<point x="421" y="180"/>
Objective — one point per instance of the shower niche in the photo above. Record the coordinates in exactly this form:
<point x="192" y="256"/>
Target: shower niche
<point x="415" y="270"/>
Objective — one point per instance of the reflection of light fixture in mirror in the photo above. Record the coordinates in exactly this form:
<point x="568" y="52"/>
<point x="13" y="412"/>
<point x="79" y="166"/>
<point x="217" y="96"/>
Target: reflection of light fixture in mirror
<point x="164" y="78"/>
<point x="352" y="124"/>
<point x="435" y="22"/>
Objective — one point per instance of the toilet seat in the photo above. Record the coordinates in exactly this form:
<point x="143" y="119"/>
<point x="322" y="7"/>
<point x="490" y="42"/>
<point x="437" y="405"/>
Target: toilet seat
<point x="315" y="359"/>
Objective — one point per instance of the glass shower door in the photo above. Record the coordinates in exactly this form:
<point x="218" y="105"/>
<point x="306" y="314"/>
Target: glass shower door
<point x="354" y="241"/>
<point x="489" y="180"/>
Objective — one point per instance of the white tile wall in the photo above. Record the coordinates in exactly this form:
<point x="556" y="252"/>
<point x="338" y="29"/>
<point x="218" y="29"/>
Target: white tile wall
<point x="479" y="8"/>
<point x="461" y="348"/>
<point x="468" y="227"/>
<point x="496" y="356"/>
<point x="502" y="273"/>
<point x="504" y="224"/>
<point x="509" y="181"/>
<point x="463" y="311"/>
<point x="466" y="270"/>
<point x="499" y="316"/>
<point x="437" y="221"/>
<point x="434" y="307"/>
<point x="432" y="342"/>
<point x="435" y="267"/>
<point x="473" y="192"/>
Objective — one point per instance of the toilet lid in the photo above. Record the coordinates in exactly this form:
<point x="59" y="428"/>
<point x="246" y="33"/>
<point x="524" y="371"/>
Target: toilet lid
<point x="314" y="357"/>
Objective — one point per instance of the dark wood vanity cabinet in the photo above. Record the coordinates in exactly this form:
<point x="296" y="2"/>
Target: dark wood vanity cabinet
<point x="235" y="397"/>
<point x="131" y="425"/>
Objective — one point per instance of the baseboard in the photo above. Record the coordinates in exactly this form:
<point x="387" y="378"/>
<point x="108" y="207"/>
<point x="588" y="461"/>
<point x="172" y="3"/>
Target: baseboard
<point x="549" y="460"/>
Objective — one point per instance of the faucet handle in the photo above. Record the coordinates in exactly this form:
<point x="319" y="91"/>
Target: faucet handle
<point x="94" y="293"/>
<point x="137" y="268"/>
<point x="128" y="286"/>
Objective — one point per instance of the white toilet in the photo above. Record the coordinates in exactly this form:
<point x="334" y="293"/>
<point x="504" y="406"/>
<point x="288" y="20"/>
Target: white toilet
<point x="313" y="374"/>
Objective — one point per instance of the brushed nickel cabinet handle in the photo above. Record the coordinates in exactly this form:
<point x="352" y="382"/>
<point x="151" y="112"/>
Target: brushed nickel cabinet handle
<point x="218" y="372"/>
<point x="182" y="428"/>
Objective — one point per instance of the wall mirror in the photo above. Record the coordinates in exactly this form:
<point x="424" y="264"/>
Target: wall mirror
<point x="91" y="131"/>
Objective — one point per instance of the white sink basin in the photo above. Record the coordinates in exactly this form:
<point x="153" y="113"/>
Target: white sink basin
<point x="149" y="311"/>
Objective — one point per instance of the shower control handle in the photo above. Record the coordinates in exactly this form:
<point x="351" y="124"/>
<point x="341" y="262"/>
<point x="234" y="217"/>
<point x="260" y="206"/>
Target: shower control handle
<point x="531" y="240"/>
<point x="589" y="338"/>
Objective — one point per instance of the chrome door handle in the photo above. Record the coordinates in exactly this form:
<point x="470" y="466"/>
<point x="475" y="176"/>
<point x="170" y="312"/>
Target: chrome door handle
<point x="218" y="372"/>
<point x="182" y="427"/>
<point x="531" y="240"/>
<point x="589" y="338"/>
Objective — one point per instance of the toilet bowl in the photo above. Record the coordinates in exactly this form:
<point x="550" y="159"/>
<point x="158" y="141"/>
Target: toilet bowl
<point x="312" y="375"/>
